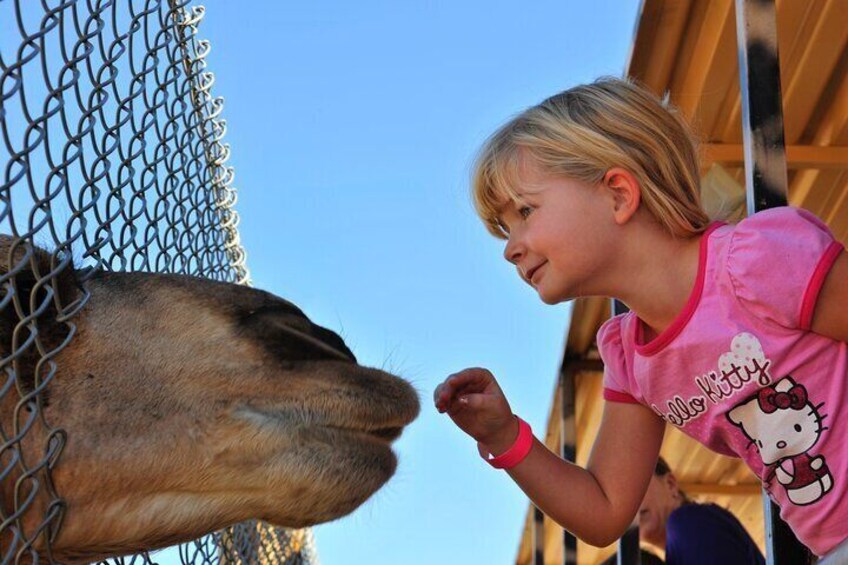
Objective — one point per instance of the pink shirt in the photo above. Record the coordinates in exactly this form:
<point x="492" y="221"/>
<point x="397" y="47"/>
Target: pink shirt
<point x="739" y="370"/>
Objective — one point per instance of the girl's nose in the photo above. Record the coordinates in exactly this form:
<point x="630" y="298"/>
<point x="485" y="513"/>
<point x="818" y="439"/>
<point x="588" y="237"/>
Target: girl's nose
<point x="513" y="251"/>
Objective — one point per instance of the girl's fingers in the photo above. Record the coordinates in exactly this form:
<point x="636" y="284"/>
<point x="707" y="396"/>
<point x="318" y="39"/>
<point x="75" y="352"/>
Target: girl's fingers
<point x="438" y="393"/>
<point x="469" y="402"/>
<point x="442" y="396"/>
<point x="473" y="401"/>
<point x="477" y="379"/>
<point x="463" y="383"/>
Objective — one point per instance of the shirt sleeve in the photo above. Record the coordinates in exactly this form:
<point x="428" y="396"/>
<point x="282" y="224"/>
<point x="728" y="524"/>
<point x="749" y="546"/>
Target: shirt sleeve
<point x="616" y="383"/>
<point x="777" y="261"/>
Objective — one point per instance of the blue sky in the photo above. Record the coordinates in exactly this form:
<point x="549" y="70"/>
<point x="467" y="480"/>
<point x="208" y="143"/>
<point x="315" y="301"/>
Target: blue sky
<point x="353" y="126"/>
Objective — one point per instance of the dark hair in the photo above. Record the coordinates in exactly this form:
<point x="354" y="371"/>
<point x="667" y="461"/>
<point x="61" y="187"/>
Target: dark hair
<point x="662" y="469"/>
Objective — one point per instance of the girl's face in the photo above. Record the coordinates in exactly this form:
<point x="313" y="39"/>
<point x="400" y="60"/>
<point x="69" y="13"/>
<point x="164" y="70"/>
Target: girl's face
<point x="559" y="236"/>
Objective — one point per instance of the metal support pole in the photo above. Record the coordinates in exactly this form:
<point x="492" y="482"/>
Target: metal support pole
<point x="762" y="109"/>
<point x="628" y="544"/>
<point x="628" y="547"/>
<point x="538" y="537"/>
<point x="568" y="443"/>
<point x="765" y="180"/>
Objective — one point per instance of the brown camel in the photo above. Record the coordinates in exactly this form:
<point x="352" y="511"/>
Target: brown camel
<point x="190" y="405"/>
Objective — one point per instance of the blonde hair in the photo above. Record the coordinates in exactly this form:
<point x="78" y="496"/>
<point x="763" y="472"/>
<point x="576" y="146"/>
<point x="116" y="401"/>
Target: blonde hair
<point x="583" y="132"/>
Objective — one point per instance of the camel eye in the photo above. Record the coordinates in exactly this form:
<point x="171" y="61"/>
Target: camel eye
<point x="797" y="427"/>
<point x="291" y="334"/>
<point x="280" y="316"/>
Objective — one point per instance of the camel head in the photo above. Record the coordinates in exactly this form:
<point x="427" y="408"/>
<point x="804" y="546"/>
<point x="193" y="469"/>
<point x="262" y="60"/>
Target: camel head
<point x="190" y="405"/>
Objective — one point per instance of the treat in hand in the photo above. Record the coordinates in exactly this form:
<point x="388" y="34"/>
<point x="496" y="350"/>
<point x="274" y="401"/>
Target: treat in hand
<point x="475" y="402"/>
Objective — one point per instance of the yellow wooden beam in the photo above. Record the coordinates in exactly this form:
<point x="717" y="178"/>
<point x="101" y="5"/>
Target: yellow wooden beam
<point x="797" y="156"/>
<point x="745" y="489"/>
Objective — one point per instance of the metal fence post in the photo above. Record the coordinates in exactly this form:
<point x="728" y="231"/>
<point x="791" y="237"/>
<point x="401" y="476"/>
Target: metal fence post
<point x="568" y="444"/>
<point x="538" y="536"/>
<point x="628" y="544"/>
<point x="765" y="180"/>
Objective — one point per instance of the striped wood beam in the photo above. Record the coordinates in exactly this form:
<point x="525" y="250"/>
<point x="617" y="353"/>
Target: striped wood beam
<point x="797" y="156"/>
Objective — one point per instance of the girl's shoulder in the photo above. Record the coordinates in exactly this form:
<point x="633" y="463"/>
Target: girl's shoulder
<point x="776" y="261"/>
<point x="612" y="338"/>
<point x="610" y="333"/>
<point x="619" y="382"/>
<point x="781" y="224"/>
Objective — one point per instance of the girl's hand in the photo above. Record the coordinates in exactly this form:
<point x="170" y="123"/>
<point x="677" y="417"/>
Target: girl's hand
<point x="475" y="402"/>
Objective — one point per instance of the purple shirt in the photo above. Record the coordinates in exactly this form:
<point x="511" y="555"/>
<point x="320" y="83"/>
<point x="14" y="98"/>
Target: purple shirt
<point x="740" y="371"/>
<point x="706" y="534"/>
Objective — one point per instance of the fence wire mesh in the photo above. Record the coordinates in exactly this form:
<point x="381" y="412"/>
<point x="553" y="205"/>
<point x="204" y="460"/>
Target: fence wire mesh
<point x="112" y="148"/>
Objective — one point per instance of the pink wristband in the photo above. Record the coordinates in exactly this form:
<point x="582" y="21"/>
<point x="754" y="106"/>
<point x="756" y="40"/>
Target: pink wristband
<point x="516" y="452"/>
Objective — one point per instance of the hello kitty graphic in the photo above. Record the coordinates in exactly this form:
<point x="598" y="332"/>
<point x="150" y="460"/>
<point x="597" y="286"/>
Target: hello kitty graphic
<point x="784" y="425"/>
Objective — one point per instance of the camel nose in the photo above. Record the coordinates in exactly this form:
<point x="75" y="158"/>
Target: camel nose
<point x="781" y="444"/>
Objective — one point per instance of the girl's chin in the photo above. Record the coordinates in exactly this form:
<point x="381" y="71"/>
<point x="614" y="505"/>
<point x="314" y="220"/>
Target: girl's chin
<point x="552" y="298"/>
<point x="550" y="301"/>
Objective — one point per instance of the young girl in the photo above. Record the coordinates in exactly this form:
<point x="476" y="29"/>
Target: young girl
<point x="736" y="334"/>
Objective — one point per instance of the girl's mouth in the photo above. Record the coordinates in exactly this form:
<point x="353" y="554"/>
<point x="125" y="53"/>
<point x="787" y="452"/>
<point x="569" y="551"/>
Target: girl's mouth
<point x="532" y="272"/>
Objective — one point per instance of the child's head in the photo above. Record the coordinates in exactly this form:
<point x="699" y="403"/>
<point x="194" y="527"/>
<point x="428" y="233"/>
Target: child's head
<point x="583" y="132"/>
<point x="661" y="499"/>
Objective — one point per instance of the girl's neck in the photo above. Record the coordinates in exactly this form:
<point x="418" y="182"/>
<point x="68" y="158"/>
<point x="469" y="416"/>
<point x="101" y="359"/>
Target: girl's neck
<point x="657" y="274"/>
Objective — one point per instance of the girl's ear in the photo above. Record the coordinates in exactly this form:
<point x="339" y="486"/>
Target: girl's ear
<point x="625" y="192"/>
<point x="670" y="481"/>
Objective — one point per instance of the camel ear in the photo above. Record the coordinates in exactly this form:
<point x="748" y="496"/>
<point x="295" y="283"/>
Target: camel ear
<point x="43" y="284"/>
<point x="40" y="280"/>
<point x="32" y="269"/>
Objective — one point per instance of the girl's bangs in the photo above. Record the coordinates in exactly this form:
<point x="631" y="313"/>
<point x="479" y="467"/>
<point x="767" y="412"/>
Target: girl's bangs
<point x="495" y="188"/>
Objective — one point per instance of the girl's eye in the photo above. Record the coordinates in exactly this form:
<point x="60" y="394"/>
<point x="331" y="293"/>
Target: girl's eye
<point x="524" y="211"/>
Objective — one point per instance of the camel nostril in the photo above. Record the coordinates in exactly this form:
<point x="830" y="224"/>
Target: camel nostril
<point x="781" y="444"/>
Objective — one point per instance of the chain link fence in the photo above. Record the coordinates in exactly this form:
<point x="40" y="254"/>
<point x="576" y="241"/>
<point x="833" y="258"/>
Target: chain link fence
<point x="111" y="149"/>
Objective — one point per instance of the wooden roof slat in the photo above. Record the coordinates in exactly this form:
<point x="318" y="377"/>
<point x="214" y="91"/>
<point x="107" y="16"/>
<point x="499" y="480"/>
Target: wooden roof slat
<point x="586" y="316"/>
<point x="730" y="155"/>
<point x="795" y="24"/>
<point x="833" y="130"/>
<point x="705" y="40"/>
<point x="728" y="128"/>
<point x="714" y="489"/>
<point x="803" y="87"/>
<point x="670" y="19"/>
<point x="835" y="209"/>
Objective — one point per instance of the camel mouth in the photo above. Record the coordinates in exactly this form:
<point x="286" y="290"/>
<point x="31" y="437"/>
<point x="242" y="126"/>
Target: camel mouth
<point x="386" y="434"/>
<point x="389" y="434"/>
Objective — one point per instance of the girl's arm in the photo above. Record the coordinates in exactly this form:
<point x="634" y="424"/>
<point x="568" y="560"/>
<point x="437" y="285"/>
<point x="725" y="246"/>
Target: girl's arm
<point x="830" y="318"/>
<point x="596" y="504"/>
